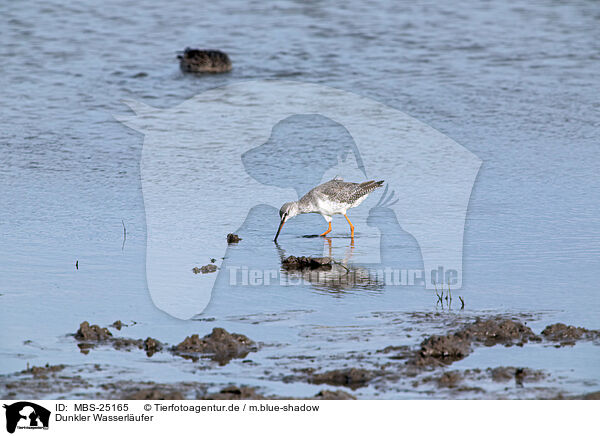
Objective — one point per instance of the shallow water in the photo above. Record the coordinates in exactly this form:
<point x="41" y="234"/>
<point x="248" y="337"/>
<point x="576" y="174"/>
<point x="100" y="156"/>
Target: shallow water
<point x="515" y="85"/>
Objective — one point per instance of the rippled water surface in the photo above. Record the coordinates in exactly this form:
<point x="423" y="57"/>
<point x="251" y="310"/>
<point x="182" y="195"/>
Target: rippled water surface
<point x="517" y="85"/>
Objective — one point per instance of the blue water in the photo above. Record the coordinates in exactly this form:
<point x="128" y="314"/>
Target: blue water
<point x="516" y="84"/>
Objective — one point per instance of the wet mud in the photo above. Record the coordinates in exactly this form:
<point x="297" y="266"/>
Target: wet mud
<point x="424" y="367"/>
<point x="37" y="382"/>
<point x="220" y="345"/>
<point x="443" y="350"/>
<point x="519" y="375"/>
<point x="206" y="269"/>
<point x="353" y="378"/>
<point x="89" y="336"/>
<point x="293" y="263"/>
<point x="62" y="381"/>
<point x="568" y="334"/>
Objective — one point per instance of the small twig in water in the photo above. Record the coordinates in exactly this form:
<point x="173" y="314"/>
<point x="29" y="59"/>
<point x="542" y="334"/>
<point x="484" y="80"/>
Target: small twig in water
<point x="77" y="264"/>
<point x="439" y="299"/>
<point x="124" y="235"/>
<point x="462" y="302"/>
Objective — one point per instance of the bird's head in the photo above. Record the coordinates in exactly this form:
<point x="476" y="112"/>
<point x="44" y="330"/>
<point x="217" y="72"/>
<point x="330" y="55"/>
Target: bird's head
<point x="287" y="211"/>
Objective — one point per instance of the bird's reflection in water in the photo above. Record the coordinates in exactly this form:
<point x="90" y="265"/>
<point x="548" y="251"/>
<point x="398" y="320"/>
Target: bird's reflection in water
<point x="335" y="277"/>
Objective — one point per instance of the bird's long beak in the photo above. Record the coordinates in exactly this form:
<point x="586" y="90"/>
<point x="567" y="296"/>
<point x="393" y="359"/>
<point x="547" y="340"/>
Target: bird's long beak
<point x="279" y="229"/>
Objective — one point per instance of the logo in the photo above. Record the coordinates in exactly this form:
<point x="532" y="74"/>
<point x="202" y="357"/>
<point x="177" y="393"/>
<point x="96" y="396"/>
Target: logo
<point x="26" y="415"/>
<point x="207" y="163"/>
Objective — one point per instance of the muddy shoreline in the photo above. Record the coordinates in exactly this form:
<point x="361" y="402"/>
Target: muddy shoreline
<point x="425" y="366"/>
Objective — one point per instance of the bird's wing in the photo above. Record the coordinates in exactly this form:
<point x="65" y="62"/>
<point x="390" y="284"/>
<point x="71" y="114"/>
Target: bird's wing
<point x="363" y="189"/>
<point x="335" y="190"/>
<point x="345" y="192"/>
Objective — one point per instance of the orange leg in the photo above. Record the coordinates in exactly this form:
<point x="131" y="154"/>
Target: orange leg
<point x="327" y="231"/>
<point x="329" y="246"/>
<point x="351" y="226"/>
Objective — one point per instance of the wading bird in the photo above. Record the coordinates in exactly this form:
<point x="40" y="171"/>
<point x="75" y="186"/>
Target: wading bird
<point x="330" y="198"/>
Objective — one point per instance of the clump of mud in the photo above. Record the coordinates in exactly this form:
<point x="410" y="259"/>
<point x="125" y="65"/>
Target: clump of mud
<point x="155" y="394"/>
<point x="221" y="345"/>
<point x="250" y="393"/>
<point x="43" y="371"/>
<point x="520" y="375"/>
<point x="152" y="346"/>
<point x="443" y="350"/>
<point x="293" y="263"/>
<point x="499" y="330"/>
<point x="437" y="350"/>
<point x="334" y="395"/>
<point x="351" y="377"/>
<point x="568" y="334"/>
<point x="457" y="380"/>
<point x="210" y="268"/>
<point x="39" y="381"/>
<point x="89" y="336"/>
<point x="132" y="390"/>
<point x="233" y="239"/>
<point x="448" y="379"/>
<point x="94" y="332"/>
<point x="235" y="393"/>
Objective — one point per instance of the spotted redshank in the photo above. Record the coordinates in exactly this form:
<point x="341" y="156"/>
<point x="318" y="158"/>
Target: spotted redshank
<point x="330" y="198"/>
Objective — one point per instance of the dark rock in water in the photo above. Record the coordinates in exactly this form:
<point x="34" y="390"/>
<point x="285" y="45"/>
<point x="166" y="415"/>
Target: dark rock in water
<point x="94" y="332"/>
<point x="205" y="269"/>
<point x="233" y="239"/>
<point x="204" y="61"/>
<point x="299" y="263"/>
<point x="568" y="334"/>
<point x="117" y="324"/>
<point x="222" y="345"/>
<point x="351" y="377"/>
